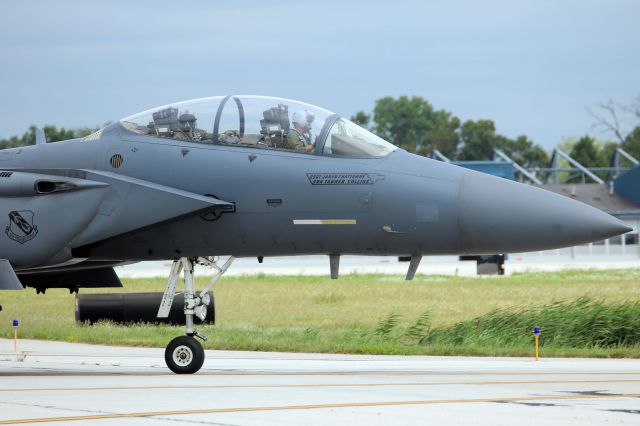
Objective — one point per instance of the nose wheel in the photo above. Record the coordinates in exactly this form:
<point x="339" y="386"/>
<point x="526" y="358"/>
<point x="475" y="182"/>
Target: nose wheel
<point x="184" y="355"/>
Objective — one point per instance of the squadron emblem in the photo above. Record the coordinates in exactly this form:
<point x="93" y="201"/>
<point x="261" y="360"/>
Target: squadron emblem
<point x="21" y="227"/>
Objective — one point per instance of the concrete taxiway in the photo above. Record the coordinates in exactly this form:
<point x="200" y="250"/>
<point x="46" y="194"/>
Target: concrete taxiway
<point x="64" y="383"/>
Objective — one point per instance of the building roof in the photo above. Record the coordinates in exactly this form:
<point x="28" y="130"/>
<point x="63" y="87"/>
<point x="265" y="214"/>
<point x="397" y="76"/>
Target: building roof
<point x="596" y="195"/>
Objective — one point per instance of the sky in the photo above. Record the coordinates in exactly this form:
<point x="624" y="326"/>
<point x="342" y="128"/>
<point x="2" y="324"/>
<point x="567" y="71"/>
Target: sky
<point x="534" y="67"/>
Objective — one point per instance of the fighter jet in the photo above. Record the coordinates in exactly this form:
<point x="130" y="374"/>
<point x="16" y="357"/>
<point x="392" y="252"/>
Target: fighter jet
<point x="251" y="176"/>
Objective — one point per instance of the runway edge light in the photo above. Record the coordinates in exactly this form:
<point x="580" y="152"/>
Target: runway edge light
<point x="16" y="323"/>
<point x="536" y="333"/>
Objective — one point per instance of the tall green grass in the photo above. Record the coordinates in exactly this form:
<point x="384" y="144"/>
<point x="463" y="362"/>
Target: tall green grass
<point x="582" y="323"/>
<point x="376" y="314"/>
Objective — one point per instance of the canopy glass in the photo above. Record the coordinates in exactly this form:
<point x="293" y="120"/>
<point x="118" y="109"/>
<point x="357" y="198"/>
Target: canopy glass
<point x="259" y="122"/>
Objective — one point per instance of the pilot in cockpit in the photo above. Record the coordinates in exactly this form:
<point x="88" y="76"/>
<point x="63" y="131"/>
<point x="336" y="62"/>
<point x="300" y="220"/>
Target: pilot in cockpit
<point x="299" y="137"/>
<point x="167" y="123"/>
<point x="187" y="128"/>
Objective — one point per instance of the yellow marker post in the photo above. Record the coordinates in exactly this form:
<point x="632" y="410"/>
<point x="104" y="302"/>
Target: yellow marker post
<point x="15" y="335"/>
<point x="536" y="333"/>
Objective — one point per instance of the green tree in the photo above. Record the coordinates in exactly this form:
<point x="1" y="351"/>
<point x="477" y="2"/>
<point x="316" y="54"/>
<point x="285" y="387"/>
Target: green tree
<point x="413" y="124"/>
<point x="523" y="151"/>
<point x="631" y="143"/>
<point x="586" y="152"/>
<point x="52" y="133"/>
<point x="590" y="152"/>
<point x="605" y="154"/>
<point x="479" y="139"/>
<point x="361" y="119"/>
<point x="445" y="134"/>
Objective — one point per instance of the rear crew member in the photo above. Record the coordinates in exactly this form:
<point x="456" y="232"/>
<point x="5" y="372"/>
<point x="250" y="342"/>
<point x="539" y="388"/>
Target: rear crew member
<point x="299" y="137"/>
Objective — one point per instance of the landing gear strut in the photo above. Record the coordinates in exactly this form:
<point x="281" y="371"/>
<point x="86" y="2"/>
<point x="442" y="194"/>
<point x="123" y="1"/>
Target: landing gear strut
<point x="184" y="354"/>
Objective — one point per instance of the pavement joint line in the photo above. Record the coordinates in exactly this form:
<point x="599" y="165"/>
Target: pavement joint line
<point x="318" y="385"/>
<point x="221" y="372"/>
<point x="375" y="358"/>
<point x="313" y="406"/>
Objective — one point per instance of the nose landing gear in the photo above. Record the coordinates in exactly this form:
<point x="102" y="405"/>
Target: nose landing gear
<point x="184" y="354"/>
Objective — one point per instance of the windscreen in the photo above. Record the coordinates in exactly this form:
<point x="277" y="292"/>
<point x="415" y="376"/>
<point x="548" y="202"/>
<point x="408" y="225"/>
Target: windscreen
<point x="348" y="139"/>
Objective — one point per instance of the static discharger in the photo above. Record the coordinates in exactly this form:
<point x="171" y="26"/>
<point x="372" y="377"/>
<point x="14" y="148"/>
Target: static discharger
<point x="536" y="334"/>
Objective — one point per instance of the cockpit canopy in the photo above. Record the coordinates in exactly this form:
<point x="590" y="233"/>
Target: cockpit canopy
<point x="259" y="122"/>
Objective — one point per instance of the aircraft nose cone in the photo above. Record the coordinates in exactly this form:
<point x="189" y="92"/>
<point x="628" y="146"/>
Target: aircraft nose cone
<point x="500" y="216"/>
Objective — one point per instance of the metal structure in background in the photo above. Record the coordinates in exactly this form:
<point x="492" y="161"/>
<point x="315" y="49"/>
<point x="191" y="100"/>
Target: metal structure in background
<point x="558" y="173"/>
<point x="615" y="161"/>
<point x="499" y="155"/>
<point x="555" y="168"/>
<point x="437" y="155"/>
<point x="615" y="169"/>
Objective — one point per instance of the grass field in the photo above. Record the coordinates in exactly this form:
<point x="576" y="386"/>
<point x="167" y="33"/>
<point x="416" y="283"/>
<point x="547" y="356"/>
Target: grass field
<point x="376" y="314"/>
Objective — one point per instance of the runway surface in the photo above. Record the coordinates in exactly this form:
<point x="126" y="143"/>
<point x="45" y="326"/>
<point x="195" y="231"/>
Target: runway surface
<point x="65" y="383"/>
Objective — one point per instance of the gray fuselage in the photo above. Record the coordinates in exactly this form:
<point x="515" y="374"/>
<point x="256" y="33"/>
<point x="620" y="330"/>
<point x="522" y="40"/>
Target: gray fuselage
<point x="291" y="203"/>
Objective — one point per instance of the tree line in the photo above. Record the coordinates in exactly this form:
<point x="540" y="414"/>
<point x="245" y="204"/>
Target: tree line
<point x="413" y="124"/>
<point x="53" y="134"/>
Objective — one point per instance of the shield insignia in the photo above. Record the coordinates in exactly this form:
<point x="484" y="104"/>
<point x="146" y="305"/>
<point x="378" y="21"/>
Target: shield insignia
<point x="21" y="227"/>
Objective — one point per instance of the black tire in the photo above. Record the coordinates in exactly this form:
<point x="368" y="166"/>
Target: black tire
<point x="184" y="355"/>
